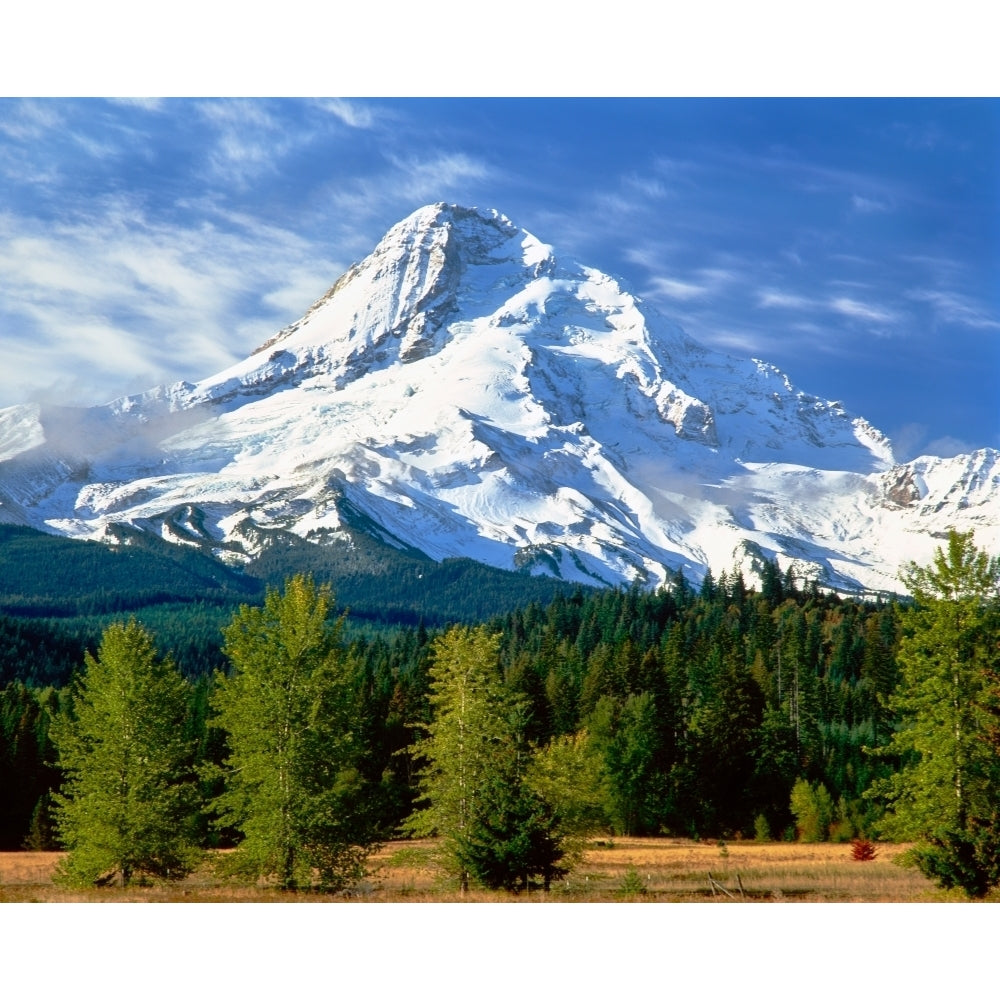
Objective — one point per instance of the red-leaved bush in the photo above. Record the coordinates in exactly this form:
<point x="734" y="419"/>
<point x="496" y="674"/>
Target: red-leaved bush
<point x="863" y="850"/>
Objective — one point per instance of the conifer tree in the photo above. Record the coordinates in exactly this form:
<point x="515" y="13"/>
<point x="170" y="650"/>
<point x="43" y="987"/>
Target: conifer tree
<point x="944" y="794"/>
<point x="127" y="799"/>
<point x="627" y="735"/>
<point x="293" y="789"/>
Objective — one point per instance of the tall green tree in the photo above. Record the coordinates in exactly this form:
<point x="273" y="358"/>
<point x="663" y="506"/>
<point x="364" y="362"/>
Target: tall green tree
<point x="627" y="736"/>
<point x="494" y="828"/>
<point x="945" y="790"/>
<point x="569" y="774"/>
<point x="293" y="789"/>
<point x="127" y="802"/>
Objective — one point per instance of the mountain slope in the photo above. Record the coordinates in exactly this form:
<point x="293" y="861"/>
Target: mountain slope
<point x="465" y="392"/>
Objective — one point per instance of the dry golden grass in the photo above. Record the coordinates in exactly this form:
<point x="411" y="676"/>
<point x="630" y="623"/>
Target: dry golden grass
<point x="669" y="870"/>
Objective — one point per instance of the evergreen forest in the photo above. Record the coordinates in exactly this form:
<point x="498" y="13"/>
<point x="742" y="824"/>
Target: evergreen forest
<point x="720" y="710"/>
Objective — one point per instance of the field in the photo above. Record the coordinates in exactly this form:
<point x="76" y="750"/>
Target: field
<point x="625" y="869"/>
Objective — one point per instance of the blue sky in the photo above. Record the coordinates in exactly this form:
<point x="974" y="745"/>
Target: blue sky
<point x="855" y="243"/>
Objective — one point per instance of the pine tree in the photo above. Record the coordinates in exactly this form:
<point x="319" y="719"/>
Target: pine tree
<point x="127" y="800"/>
<point x="945" y="791"/>
<point x="292" y="786"/>
<point x="516" y="833"/>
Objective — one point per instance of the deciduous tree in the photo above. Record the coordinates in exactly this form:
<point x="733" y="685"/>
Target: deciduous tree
<point x="494" y="828"/>
<point x="127" y="799"/>
<point x="293" y="789"/>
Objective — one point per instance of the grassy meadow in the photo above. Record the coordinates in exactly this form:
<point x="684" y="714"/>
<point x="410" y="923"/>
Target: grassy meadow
<point x="627" y="869"/>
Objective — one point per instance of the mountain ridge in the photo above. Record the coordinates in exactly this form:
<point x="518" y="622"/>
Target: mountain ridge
<point x="469" y="393"/>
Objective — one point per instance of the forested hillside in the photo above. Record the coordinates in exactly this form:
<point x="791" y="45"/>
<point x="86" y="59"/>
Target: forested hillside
<point x="186" y="596"/>
<point x="705" y="707"/>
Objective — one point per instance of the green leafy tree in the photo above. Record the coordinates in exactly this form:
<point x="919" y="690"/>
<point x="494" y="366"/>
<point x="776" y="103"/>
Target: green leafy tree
<point x="569" y="774"/>
<point x="293" y="790"/>
<point x="945" y="790"/>
<point x="127" y="802"/>
<point x="813" y="809"/>
<point x="494" y="829"/>
<point x="627" y="735"/>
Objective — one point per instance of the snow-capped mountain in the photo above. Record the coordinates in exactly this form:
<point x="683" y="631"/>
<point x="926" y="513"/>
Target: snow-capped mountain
<point x="464" y="391"/>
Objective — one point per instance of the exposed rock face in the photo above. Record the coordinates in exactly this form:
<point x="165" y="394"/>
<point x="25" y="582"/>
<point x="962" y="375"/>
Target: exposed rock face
<point x="900" y="487"/>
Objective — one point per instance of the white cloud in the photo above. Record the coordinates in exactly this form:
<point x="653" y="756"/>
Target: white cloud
<point x="647" y="188"/>
<point x="772" y="299"/>
<point x="908" y="440"/>
<point x="351" y="113"/>
<point x="948" y="447"/>
<point x="237" y="112"/>
<point x="952" y="307"/>
<point x="748" y="343"/>
<point x="861" y="310"/>
<point x="681" y="290"/>
<point x="424" y="180"/>
<point x="818" y="178"/>
<point x="407" y="184"/>
<point x="28" y="119"/>
<point x="868" y="206"/>
<point x="302" y="289"/>
<point x="145" y="103"/>
<point x="250" y="142"/>
<point x="115" y="303"/>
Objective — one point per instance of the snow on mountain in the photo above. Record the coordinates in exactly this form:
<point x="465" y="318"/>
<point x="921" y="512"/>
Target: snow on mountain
<point x="470" y="393"/>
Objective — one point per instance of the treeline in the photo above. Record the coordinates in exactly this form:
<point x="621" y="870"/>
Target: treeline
<point x="706" y="706"/>
<point x="703" y="708"/>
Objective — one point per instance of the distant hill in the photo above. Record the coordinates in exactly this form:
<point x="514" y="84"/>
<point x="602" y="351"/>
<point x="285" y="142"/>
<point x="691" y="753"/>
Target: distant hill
<point x="57" y="594"/>
<point x="46" y="576"/>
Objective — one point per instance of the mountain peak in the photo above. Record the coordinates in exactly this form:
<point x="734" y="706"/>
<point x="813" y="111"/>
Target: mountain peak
<point x="463" y="392"/>
<point x="393" y="304"/>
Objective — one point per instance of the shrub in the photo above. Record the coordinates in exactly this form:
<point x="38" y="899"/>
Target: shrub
<point x="863" y="850"/>
<point x="632" y="884"/>
<point x="761" y="828"/>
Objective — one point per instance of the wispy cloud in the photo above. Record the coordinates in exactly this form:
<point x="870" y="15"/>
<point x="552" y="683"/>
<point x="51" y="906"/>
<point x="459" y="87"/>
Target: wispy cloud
<point x="806" y="175"/>
<point x="423" y="179"/>
<point x="952" y="307"/>
<point x="405" y="183"/>
<point x="249" y="142"/>
<point x="673" y="289"/>
<point x="27" y="119"/>
<point x="646" y="188"/>
<point x="862" y="310"/>
<point x="948" y="447"/>
<point x="121" y="302"/>
<point x="769" y="298"/>
<point x="352" y="113"/>
<point x="918" y="136"/>
<point x="154" y="104"/>
<point x="868" y="206"/>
